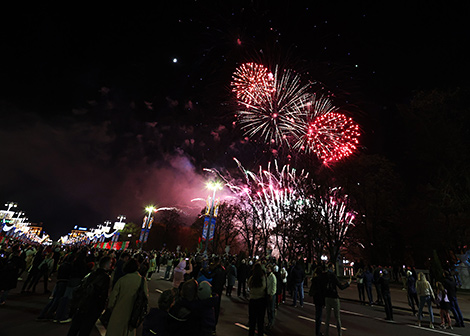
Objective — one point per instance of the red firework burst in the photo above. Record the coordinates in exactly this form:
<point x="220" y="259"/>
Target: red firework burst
<point x="250" y="80"/>
<point x="332" y="137"/>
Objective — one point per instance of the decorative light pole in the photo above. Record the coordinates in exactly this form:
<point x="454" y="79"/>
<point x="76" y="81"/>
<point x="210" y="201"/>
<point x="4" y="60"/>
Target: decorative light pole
<point x="146" y="226"/>
<point x="118" y="226"/>
<point x="211" y="214"/>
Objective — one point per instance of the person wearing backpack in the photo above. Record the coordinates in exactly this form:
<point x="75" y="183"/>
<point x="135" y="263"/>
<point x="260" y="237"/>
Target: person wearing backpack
<point x="92" y="296"/>
<point x="122" y="298"/>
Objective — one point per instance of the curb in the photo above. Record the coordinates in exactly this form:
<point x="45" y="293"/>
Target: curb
<point x="399" y="307"/>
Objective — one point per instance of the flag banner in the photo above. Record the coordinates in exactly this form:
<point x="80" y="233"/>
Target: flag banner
<point x="205" y="228"/>
<point x="212" y="228"/>
<point x="146" y="236"/>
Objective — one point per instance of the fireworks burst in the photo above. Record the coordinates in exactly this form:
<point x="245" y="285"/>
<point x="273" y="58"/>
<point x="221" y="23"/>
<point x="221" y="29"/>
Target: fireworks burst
<point x="279" y="109"/>
<point x="251" y="80"/>
<point x="270" y="192"/>
<point x="271" y="114"/>
<point x="331" y="136"/>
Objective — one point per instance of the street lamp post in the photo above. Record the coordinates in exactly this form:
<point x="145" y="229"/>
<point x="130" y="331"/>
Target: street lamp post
<point x="146" y="226"/>
<point x="209" y="227"/>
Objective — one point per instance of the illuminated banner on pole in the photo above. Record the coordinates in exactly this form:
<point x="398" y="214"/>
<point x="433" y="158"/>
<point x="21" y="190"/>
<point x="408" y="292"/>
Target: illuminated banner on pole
<point x="212" y="229"/>
<point x="205" y="228"/>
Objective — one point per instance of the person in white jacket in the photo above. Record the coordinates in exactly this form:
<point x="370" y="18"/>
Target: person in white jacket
<point x="271" y="287"/>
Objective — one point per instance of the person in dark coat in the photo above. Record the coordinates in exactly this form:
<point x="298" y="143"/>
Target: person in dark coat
<point x="242" y="273"/>
<point x="384" y="281"/>
<point x="33" y="270"/>
<point x="10" y="272"/>
<point x="377" y="273"/>
<point x="411" y="291"/>
<point x="118" y="272"/>
<point x="318" y="291"/>
<point x="182" y="319"/>
<point x="63" y="276"/>
<point x="297" y="277"/>
<point x="217" y="275"/>
<point x="451" y="287"/>
<point x="332" y="298"/>
<point x="90" y="306"/>
<point x="368" y="281"/>
<point x="156" y="321"/>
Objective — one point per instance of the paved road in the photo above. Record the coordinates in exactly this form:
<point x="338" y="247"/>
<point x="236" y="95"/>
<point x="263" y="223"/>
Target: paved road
<point x="18" y="316"/>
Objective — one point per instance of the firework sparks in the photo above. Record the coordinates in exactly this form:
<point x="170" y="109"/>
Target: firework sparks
<point x="331" y="136"/>
<point x="250" y="81"/>
<point x="271" y="114"/>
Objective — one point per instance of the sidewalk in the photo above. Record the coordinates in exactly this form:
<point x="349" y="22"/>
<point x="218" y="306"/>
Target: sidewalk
<point x="400" y="300"/>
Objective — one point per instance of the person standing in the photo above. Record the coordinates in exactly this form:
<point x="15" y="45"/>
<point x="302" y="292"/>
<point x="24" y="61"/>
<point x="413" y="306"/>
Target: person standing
<point x="231" y="277"/>
<point x="9" y="273"/>
<point x="368" y="280"/>
<point x="444" y="305"/>
<point x="384" y="282"/>
<point x="33" y="270"/>
<point x="377" y="272"/>
<point x="118" y="272"/>
<point x="297" y="278"/>
<point x="242" y="271"/>
<point x="318" y="291"/>
<point x="284" y="276"/>
<point x="63" y="275"/>
<point x="271" y="288"/>
<point x="180" y="271"/>
<point x="332" y="298"/>
<point x="451" y="287"/>
<point x="425" y="294"/>
<point x="257" y="303"/>
<point x="278" y="285"/>
<point x="361" y="286"/>
<point x="169" y="265"/>
<point x="411" y="291"/>
<point x="121" y="300"/>
<point x="152" y="266"/>
<point x="91" y="304"/>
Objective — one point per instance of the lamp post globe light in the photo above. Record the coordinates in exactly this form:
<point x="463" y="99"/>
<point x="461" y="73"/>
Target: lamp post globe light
<point x="211" y="214"/>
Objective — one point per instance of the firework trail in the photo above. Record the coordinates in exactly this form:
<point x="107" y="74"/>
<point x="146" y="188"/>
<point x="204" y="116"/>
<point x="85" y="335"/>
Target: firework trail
<point x="336" y="215"/>
<point x="274" y="193"/>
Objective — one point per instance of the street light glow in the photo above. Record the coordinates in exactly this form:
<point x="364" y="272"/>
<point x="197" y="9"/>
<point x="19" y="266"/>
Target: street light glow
<point x="150" y="208"/>
<point x="214" y="185"/>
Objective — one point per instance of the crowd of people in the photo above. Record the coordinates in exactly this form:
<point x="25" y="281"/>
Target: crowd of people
<point x="94" y="284"/>
<point x="419" y="291"/>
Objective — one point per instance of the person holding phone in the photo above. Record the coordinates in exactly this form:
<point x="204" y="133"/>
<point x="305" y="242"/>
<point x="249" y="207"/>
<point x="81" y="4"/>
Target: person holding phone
<point x="332" y="298"/>
<point x="180" y="271"/>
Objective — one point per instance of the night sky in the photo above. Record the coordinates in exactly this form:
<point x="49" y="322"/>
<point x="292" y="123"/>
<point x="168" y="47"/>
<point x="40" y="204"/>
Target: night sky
<point x="105" y="111"/>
